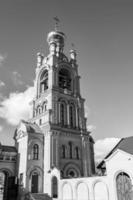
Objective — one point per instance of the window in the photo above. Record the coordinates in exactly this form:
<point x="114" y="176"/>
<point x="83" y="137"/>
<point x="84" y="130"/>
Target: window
<point x="40" y="121"/>
<point x="34" y="182"/>
<point x="72" y="173"/>
<point x="77" y="153"/>
<point x="44" y="81"/>
<point x="62" y="114"/>
<point x="45" y="107"/>
<point x="70" y="150"/>
<point x="64" y="79"/>
<point x="39" y="110"/>
<point x="124" y="186"/>
<point x="21" y="179"/>
<point x="63" y="151"/>
<point x="71" y="114"/>
<point x="35" y="152"/>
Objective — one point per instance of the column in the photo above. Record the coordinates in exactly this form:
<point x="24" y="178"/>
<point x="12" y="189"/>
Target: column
<point x="76" y="117"/>
<point x="68" y="116"/>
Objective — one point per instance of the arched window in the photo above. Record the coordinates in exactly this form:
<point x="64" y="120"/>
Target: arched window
<point x="39" y="110"/>
<point x="72" y="173"/>
<point x="77" y="153"/>
<point x="44" y="81"/>
<point x="62" y="114"/>
<point x="124" y="186"/>
<point x="35" y="152"/>
<point x="64" y="79"/>
<point x="44" y="107"/>
<point x="40" y="121"/>
<point x="70" y="150"/>
<point x="72" y="115"/>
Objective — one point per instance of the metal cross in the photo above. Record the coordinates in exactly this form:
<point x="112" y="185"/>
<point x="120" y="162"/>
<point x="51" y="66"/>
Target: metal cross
<point x="56" y="23"/>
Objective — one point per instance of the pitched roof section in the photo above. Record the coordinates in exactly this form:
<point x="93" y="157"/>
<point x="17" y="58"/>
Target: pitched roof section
<point x="31" y="127"/>
<point x="26" y="127"/>
<point x="125" y="144"/>
<point x="8" y="148"/>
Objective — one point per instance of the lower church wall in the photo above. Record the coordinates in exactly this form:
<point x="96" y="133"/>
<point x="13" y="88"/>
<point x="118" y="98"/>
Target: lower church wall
<point x="117" y="184"/>
<point x="90" y="188"/>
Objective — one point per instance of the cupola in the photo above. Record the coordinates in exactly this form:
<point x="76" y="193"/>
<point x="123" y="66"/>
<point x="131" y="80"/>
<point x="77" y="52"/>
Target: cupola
<point x="56" y="40"/>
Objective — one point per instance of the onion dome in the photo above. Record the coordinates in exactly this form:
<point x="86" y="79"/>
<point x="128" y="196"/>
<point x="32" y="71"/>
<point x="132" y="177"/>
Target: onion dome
<point x="56" y="40"/>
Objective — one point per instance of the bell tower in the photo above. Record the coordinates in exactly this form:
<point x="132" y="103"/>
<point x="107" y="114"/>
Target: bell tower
<point x="58" y="109"/>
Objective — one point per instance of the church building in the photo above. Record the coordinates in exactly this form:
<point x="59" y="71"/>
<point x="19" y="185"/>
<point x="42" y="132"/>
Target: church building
<point x="53" y="156"/>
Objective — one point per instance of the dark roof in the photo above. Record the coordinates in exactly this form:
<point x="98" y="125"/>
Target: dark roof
<point x="125" y="144"/>
<point x="8" y="148"/>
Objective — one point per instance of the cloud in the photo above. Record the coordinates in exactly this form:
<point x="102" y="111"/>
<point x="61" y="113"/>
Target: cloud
<point x="2" y="84"/>
<point x="103" y="147"/>
<point x="17" y="80"/>
<point x="1" y="128"/>
<point x="16" y="106"/>
<point x="1" y="97"/>
<point x="91" y="127"/>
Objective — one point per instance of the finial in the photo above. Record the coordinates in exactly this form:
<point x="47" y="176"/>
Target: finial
<point x="73" y="46"/>
<point x="56" y="19"/>
<point x="73" y="52"/>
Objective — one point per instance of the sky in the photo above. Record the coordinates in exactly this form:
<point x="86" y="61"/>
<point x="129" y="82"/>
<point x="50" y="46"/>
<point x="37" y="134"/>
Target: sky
<point x="102" y="33"/>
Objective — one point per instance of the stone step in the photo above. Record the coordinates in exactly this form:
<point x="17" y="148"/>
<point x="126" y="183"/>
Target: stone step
<point x="38" y="196"/>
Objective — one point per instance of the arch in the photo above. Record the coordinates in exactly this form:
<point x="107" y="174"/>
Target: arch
<point x="64" y="79"/>
<point x="54" y="187"/>
<point x="35" y="179"/>
<point x="65" y="101"/>
<point x="71" y="171"/>
<point x="100" y="191"/>
<point x="6" y="171"/>
<point x="123" y="186"/>
<point x="35" y="140"/>
<point x="34" y="168"/>
<point x="67" y="193"/>
<point x="43" y="81"/>
<point x="82" y="191"/>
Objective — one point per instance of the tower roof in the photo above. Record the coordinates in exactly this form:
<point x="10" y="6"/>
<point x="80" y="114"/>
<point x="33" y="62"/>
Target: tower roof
<point x="56" y="37"/>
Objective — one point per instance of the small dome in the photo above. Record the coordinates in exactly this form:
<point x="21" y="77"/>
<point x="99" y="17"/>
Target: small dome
<point x="56" y="37"/>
